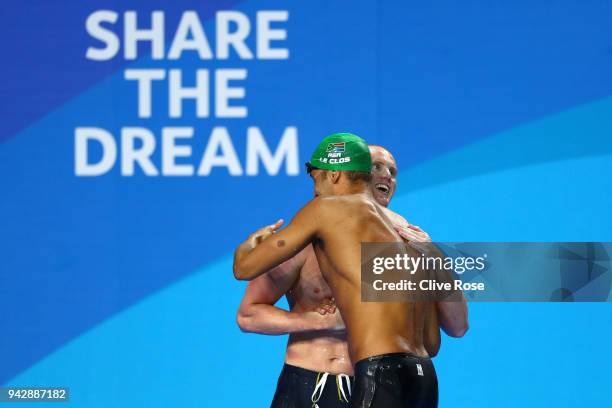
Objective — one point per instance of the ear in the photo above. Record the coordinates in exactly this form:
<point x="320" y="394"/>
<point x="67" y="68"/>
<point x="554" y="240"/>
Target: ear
<point x="334" y="176"/>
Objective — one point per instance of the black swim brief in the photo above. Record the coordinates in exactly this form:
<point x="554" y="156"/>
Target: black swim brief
<point x="395" y="380"/>
<point x="301" y="388"/>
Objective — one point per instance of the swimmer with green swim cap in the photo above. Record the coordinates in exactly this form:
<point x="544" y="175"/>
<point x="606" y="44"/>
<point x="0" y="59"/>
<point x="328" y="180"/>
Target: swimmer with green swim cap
<point x="391" y="336"/>
<point x="318" y="369"/>
<point x="341" y="151"/>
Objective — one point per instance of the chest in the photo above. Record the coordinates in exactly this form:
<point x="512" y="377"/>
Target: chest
<point x="311" y="288"/>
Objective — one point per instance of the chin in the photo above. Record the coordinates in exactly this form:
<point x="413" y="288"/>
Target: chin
<point x="382" y="200"/>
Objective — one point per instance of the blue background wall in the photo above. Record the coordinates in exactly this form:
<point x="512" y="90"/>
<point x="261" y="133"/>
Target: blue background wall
<point x="499" y="114"/>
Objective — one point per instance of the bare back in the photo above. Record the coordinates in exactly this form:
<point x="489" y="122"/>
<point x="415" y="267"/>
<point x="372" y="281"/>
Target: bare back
<point x="373" y="328"/>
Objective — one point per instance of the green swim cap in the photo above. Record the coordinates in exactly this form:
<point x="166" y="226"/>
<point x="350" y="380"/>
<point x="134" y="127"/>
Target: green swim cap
<point x="341" y="151"/>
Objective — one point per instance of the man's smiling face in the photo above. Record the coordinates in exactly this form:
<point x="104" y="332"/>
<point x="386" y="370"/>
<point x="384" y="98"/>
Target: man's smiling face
<point x="384" y="171"/>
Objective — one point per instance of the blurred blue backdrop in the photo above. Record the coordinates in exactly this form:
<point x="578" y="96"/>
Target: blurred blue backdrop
<point x="499" y="115"/>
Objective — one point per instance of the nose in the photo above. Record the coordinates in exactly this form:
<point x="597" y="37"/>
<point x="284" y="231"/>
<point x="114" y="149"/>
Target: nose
<point x="381" y="171"/>
<point x="384" y="173"/>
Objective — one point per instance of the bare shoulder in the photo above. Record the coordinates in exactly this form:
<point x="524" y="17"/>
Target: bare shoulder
<point x="395" y="218"/>
<point x="346" y="201"/>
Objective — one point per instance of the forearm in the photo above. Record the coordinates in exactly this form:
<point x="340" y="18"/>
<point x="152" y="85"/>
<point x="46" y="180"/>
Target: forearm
<point x="272" y="320"/>
<point x="431" y="334"/>
<point x="452" y="309"/>
<point x="241" y="252"/>
<point x="453" y="317"/>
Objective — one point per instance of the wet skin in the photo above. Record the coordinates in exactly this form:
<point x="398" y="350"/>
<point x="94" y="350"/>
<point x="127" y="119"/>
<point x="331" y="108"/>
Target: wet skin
<point x="336" y="222"/>
<point x="319" y="342"/>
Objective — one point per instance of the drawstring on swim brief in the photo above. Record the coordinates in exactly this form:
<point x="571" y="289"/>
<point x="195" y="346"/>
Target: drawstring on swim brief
<point x="340" y="385"/>
<point x="320" y="385"/>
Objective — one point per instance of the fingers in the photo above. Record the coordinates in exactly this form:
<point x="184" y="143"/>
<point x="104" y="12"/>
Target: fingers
<point x="329" y="305"/>
<point x="325" y="310"/>
<point x="330" y="309"/>
<point x="405" y="232"/>
<point x="261" y="234"/>
<point x="265" y="232"/>
<point x="332" y="305"/>
<point x="253" y="240"/>
<point x="276" y="225"/>
<point x="410" y="234"/>
<point x="423" y="236"/>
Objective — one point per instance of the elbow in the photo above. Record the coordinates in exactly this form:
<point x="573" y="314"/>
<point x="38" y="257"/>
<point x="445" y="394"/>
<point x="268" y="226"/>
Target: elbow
<point x="244" y="322"/>
<point x="239" y="273"/>
<point x="459" y="330"/>
<point x="244" y="270"/>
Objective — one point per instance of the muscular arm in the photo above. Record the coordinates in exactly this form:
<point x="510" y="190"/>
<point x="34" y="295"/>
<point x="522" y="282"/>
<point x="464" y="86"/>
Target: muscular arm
<point x="257" y="313"/>
<point x="452" y="312"/>
<point x="452" y="315"/>
<point x="252" y="260"/>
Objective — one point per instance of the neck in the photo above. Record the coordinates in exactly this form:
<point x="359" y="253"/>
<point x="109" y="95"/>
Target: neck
<point x="354" y="188"/>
